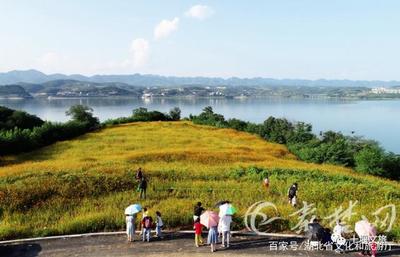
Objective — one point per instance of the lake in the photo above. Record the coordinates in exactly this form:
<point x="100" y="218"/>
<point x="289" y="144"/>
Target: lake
<point x="376" y="120"/>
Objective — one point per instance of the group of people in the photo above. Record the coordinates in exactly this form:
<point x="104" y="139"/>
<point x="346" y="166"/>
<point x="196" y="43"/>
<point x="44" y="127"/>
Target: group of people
<point x="292" y="192"/>
<point x="146" y="224"/>
<point x="221" y="229"/>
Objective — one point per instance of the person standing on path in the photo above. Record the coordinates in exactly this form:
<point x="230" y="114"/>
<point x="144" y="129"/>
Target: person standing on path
<point x="130" y="226"/>
<point x="159" y="224"/>
<point x="198" y="210"/>
<point x="198" y="229"/>
<point x="225" y="225"/>
<point x="212" y="239"/>
<point x="147" y="223"/>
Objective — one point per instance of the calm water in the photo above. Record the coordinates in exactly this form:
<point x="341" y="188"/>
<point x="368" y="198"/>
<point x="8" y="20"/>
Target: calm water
<point x="376" y="120"/>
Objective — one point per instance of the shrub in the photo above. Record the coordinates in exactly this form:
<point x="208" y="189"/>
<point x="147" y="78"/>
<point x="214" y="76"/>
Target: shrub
<point x="9" y="119"/>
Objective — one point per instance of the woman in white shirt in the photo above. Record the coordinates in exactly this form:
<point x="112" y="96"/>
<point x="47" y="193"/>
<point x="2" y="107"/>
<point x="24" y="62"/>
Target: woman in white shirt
<point x="225" y="227"/>
<point x="130" y="226"/>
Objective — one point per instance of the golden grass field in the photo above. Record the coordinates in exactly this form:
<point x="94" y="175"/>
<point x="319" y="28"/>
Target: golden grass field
<point x="83" y="185"/>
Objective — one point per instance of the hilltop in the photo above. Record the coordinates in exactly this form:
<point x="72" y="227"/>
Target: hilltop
<point x="35" y="77"/>
<point x="83" y="185"/>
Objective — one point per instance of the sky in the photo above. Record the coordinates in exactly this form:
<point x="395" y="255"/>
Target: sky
<point x="337" y="39"/>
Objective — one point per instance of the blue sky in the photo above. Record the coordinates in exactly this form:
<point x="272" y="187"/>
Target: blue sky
<point x="338" y="39"/>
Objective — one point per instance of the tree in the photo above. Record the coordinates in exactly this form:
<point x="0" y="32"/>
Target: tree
<point x="175" y="113"/>
<point x="142" y="114"/>
<point x="84" y="114"/>
<point x="9" y="119"/>
<point x="369" y="160"/>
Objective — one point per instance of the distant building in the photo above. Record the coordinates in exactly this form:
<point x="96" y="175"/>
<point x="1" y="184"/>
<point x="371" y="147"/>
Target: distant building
<point x="385" y="90"/>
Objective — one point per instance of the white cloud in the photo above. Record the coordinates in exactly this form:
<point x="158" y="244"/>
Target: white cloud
<point x="140" y="49"/>
<point x="200" y="12"/>
<point x="52" y="62"/>
<point x="49" y="59"/>
<point x="165" y="28"/>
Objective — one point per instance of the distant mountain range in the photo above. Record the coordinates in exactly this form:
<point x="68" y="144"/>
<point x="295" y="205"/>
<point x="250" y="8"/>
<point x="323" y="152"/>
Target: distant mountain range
<point x="37" y="77"/>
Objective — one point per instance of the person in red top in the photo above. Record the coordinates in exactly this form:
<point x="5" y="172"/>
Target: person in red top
<point x="198" y="229"/>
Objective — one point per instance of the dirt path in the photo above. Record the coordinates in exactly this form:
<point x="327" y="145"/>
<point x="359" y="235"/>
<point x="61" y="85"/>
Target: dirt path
<point x="172" y="245"/>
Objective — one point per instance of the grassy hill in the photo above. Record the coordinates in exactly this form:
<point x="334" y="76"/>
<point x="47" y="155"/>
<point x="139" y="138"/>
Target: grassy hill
<point x="83" y="185"/>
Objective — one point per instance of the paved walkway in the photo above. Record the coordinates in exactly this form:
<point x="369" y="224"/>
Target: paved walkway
<point x="173" y="244"/>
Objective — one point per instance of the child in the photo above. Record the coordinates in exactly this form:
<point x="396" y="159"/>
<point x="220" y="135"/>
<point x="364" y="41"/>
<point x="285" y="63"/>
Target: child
<point x="225" y="225"/>
<point x="212" y="239"/>
<point x="147" y="223"/>
<point x="198" y="229"/>
<point x="145" y="213"/>
<point x="159" y="224"/>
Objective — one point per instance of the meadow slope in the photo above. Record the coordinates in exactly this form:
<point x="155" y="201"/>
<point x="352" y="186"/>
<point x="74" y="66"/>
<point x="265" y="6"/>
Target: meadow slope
<point x="83" y="185"/>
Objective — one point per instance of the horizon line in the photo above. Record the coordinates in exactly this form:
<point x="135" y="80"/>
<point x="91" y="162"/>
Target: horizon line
<point x="197" y="76"/>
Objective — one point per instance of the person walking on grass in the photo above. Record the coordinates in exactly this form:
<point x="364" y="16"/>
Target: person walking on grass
<point x="198" y="229"/>
<point x="159" y="224"/>
<point x="212" y="239"/>
<point x="139" y="174"/>
<point x="143" y="188"/>
<point x="266" y="182"/>
<point x="147" y="223"/>
<point x="225" y="227"/>
<point x="292" y="194"/>
<point x="130" y="226"/>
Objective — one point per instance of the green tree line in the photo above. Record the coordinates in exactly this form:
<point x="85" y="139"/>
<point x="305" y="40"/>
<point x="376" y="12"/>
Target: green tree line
<point x="365" y="156"/>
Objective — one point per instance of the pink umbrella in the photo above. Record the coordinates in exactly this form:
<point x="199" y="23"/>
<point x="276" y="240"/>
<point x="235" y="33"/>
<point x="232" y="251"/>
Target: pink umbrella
<point x="365" y="229"/>
<point x="209" y="219"/>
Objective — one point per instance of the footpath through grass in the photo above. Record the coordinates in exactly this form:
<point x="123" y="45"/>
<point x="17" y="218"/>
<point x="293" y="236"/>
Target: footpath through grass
<point x="83" y="185"/>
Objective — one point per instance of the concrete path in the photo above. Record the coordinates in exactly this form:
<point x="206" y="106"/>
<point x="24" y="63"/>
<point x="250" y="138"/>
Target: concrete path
<point x="173" y="244"/>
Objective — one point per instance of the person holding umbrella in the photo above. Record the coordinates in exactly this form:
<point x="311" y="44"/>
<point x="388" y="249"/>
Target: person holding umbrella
<point x="226" y="211"/>
<point x="366" y="232"/>
<point x="210" y="220"/>
<point x="130" y="218"/>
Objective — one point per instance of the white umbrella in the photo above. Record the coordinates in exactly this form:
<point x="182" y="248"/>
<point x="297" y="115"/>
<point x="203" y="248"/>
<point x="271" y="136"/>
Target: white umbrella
<point x="226" y="209"/>
<point x="133" y="209"/>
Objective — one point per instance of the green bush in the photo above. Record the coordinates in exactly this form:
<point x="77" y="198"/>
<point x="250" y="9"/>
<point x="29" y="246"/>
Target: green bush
<point x="9" y="119"/>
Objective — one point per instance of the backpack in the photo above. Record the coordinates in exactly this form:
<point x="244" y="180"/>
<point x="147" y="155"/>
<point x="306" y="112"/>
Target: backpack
<point x="147" y="222"/>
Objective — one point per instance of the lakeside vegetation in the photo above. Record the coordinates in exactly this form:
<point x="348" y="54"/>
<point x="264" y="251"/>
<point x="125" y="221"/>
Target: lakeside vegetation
<point x="365" y="156"/>
<point x="72" y="88"/>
